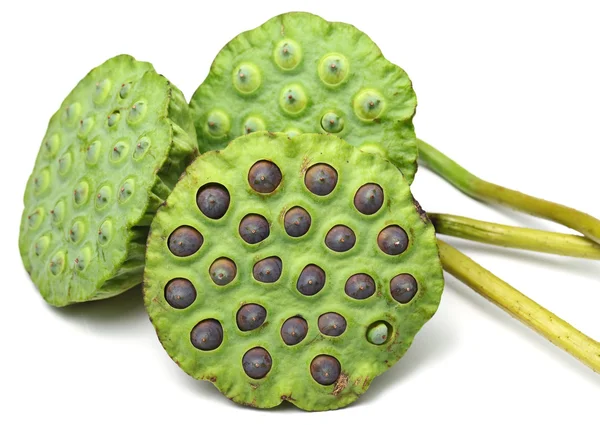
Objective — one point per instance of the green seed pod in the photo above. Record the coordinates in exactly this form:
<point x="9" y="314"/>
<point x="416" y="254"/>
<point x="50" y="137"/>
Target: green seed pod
<point x="111" y="155"/>
<point x="298" y="73"/>
<point x="283" y="318"/>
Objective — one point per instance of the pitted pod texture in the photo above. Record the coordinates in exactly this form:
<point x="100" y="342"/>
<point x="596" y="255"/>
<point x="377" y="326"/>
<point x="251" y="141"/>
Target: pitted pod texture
<point x="111" y="155"/>
<point x="288" y="317"/>
<point x="298" y="73"/>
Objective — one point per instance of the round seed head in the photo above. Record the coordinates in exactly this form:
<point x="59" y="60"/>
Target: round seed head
<point x="332" y="324"/>
<point x="403" y="288"/>
<point x="267" y="270"/>
<point x="297" y="222"/>
<point x="321" y="179"/>
<point x="207" y="335"/>
<point x="325" y="369"/>
<point x="213" y="200"/>
<point x="311" y="280"/>
<point x="360" y="286"/>
<point x="180" y="293"/>
<point x="257" y="362"/>
<point x="340" y="238"/>
<point x="264" y="177"/>
<point x="223" y="271"/>
<point x="379" y="333"/>
<point x="254" y="228"/>
<point x="393" y="240"/>
<point x="250" y="317"/>
<point x="185" y="241"/>
<point x="369" y="198"/>
<point x="294" y="330"/>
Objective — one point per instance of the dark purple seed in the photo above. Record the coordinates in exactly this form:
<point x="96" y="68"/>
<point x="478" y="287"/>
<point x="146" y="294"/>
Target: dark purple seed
<point x="294" y="330"/>
<point x="213" y="200"/>
<point x="222" y="271"/>
<point x="403" y="288"/>
<point x="360" y="286"/>
<point x="393" y="240"/>
<point x="257" y="362"/>
<point x="267" y="270"/>
<point x="207" y="335"/>
<point x="297" y="222"/>
<point x="369" y="198"/>
<point x="264" y="177"/>
<point x="311" y="280"/>
<point x="254" y="228"/>
<point x="340" y="238"/>
<point x="180" y="293"/>
<point x="251" y="316"/>
<point x="185" y="241"/>
<point x="325" y="369"/>
<point x="321" y="179"/>
<point x="332" y="324"/>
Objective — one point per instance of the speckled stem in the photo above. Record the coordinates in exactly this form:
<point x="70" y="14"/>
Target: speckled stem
<point x="492" y="193"/>
<point x="527" y="311"/>
<point x="515" y="237"/>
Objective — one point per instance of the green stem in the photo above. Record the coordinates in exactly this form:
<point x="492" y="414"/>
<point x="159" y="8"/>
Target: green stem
<point x="515" y="237"/>
<point x="492" y="193"/>
<point x="547" y="324"/>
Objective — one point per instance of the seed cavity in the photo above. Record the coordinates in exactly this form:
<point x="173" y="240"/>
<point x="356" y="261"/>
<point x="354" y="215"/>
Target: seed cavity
<point x="185" y="241"/>
<point x="41" y="245"/>
<point x="368" y="104"/>
<point x="102" y="91"/>
<point x="105" y="232"/>
<point x="77" y="231"/>
<point x="293" y="99"/>
<point x="213" y="200"/>
<point x="180" y="293"/>
<point x="57" y="214"/>
<point x="331" y="122"/>
<point x="103" y="197"/>
<point x="368" y="198"/>
<point x="393" y="240"/>
<point x="311" y="280"/>
<point x="85" y="126"/>
<point x="35" y="219"/>
<point x="141" y="148"/>
<point x="207" y="335"/>
<point x="379" y="333"/>
<point x="119" y="151"/>
<point x="332" y="324"/>
<point x="292" y="132"/>
<point x="65" y="163"/>
<point x="333" y="69"/>
<point x="254" y="228"/>
<point x="294" y="330"/>
<point x="264" y="176"/>
<point x="126" y="190"/>
<point x="257" y="362"/>
<point x="246" y="78"/>
<point x="250" y="317"/>
<point x="71" y="114"/>
<point x="325" y="369"/>
<point x="81" y="262"/>
<point x="137" y="112"/>
<point x="125" y="89"/>
<point x="223" y="271"/>
<point x="93" y="152"/>
<point x="217" y="124"/>
<point x="51" y="145"/>
<point x="340" y="238"/>
<point x="321" y="179"/>
<point x="297" y="222"/>
<point x="267" y="270"/>
<point x="287" y="54"/>
<point x="253" y="124"/>
<point x="57" y="263"/>
<point x="41" y="181"/>
<point x="403" y="288"/>
<point x="81" y="193"/>
<point x="113" y="118"/>
<point x="360" y="286"/>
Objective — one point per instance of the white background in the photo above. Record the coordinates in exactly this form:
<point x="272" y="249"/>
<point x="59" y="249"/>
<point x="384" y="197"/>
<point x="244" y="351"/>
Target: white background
<point x="511" y="90"/>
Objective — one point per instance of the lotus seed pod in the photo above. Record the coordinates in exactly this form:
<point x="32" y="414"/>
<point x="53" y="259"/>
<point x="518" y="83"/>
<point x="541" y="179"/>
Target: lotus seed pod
<point x="111" y="155"/>
<point x="303" y="73"/>
<point x="284" y="319"/>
